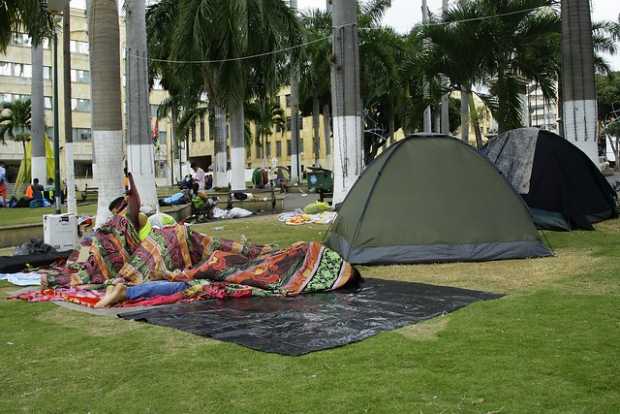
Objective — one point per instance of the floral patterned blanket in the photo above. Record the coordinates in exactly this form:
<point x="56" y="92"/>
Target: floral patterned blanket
<point x="213" y="268"/>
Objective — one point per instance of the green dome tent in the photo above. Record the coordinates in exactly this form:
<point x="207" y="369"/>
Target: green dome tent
<point x="431" y="198"/>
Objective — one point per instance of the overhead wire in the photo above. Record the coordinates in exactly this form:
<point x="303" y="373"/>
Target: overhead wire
<point x="311" y="42"/>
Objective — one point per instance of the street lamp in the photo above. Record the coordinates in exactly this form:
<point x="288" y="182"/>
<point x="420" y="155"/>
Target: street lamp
<point x="56" y="8"/>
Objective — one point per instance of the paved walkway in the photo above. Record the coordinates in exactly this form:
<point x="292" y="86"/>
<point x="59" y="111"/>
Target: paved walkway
<point x="293" y="201"/>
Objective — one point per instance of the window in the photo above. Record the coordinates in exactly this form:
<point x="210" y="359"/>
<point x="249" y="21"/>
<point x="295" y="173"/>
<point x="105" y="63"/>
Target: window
<point x="193" y="129"/>
<point x="154" y="109"/>
<point x="80" y="105"/>
<point x="6" y="69"/>
<point x="21" y="39"/>
<point x="83" y="169"/>
<point x="50" y="132"/>
<point x="288" y="100"/>
<point x="76" y="46"/>
<point x="278" y="149"/>
<point x="47" y="103"/>
<point x="268" y="148"/>
<point x="47" y="72"/>
<point x="301" y="145"/>
<point x="81" y="134"/>
<point x="300" y="122"/>
<point x="20" y="70"/>
<point x="259" y="152"/>
<point x="80" y="76"/>
<point x="163" y="137"/>
<point x="12" y="97"/>
<point x="157" y="84"/>
<point x="202" y="128"/>
<point x="289" y="149"/>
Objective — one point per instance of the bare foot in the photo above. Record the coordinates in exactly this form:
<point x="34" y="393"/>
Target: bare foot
<point x="116" y="295"/>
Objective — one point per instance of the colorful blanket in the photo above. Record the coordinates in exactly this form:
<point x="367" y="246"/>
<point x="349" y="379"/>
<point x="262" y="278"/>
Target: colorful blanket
<point x="214" y="268"/>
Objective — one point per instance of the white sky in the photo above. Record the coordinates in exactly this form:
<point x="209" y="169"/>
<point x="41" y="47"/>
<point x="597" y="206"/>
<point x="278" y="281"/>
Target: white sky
<point x="405" y="13"/>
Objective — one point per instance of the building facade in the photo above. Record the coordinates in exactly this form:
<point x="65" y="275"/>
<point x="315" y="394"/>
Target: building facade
<point x="196" y="146"/>
<point x="15" y="83"/>
<point x="543" y="114"/>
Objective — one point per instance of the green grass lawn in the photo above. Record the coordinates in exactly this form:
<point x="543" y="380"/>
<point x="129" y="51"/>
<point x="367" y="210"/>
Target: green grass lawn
<point x="13" y="216"/>
<point x="550" y="346"/>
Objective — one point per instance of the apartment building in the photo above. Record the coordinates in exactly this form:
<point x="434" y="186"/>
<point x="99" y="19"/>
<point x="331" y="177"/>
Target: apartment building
<point x="15" y="84"/>
<point x="543" y="114"/>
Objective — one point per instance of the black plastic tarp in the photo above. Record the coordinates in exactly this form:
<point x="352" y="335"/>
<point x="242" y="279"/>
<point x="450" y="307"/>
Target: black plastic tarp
<point x="19" y="263"/>
<point x="302" y="324"/>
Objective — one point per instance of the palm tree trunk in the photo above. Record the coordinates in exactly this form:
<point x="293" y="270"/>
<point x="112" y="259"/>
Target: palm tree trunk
<point x="237" y="151"/>
<point x="140" y="157"/>
<point x="38" y="160"/>
<point x="66" y="65"/>
<point x="220" y="179"/>
<point x="475" y="120"/>
<point x="578" y="88"/>
<point x="391" y="128"/>
<point x="327" y="133"/>
<point x="103" y="33"/>
<point x="176" y="160"/>
<point x="465" y="115"/>
<point x="295" y="150"/>
<point x="316" y="125"/>
<point x="345" y="79"/>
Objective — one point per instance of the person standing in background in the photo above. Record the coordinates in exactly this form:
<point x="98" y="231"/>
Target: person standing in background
<point x="198" y="174"/>
<point x="3" y="186"/>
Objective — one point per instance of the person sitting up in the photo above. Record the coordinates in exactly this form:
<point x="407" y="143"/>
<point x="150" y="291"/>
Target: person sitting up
<point x="36" y="192"/>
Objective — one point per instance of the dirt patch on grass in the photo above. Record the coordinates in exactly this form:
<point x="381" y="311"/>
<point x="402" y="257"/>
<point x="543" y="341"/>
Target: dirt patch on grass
<point x="170" y="340"/>
<point x="424" y="331"/>
<point x="90" y="324"/>
<point x="502" y="276"/>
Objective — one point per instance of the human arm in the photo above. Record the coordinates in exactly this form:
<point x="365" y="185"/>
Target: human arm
<point x="133" y="203"/>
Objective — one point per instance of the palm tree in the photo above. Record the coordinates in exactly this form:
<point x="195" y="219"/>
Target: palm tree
<point x="103" y="33"/>
<point x="140" y="157"/>
<point x="315" y="88"/>
<point x="578" y="87"/>
<point x="183" y="91"/>
<point x="203" y="32"/>
<point x="66" y="60"/>
<point x="39" y="161"/>
<point x="267" y="117"/>
<point x="21" y="14"/>
<point x="15" y="122"/>
<point x="520" y="46"/>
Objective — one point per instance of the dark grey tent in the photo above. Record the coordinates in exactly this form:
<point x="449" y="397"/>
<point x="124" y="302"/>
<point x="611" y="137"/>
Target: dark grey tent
<point x="560" y="184"/>
<point x="433" y="199"/>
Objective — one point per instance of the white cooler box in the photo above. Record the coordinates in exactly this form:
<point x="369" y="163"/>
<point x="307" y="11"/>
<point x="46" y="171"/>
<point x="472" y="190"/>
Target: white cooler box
<point x="60" y="231"/>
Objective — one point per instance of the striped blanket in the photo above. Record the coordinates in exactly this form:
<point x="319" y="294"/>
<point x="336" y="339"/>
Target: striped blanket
<point x="215" y="268"/>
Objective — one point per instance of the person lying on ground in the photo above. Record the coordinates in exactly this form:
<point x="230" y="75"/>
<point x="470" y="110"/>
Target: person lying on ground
<point x="120" y="293"/>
